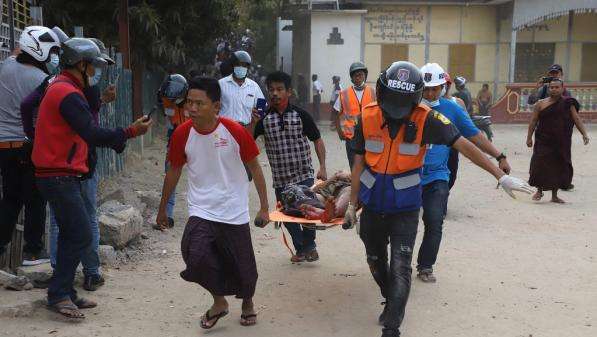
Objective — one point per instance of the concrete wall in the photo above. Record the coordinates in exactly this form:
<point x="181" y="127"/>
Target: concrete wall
<point x="328" y="60"/>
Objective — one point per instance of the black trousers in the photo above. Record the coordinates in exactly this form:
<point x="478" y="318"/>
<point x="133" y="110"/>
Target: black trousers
<point x="18" y="191"/>
<point x="393" y="279"/>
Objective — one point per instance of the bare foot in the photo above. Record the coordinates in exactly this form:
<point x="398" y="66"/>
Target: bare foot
<point x="537" y="196"/>
<point x="557" y="200"/>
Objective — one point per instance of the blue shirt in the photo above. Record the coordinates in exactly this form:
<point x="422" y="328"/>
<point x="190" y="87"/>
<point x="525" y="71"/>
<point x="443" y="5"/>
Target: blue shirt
<point x="436" y="159"/>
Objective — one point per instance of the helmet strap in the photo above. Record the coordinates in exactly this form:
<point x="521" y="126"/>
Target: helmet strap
<point x="84" y="74"/>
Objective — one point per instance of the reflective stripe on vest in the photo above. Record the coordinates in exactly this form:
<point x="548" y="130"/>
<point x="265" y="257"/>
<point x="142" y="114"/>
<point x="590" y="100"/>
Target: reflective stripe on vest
<point x="352" y="108"/>
<point x="385" y="156"/>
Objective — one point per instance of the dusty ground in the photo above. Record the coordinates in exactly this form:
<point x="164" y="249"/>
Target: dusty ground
<point x="506" y="268"/>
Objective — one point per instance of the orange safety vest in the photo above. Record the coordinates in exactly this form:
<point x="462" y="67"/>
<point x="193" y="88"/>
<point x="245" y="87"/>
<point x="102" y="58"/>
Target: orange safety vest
<point x="180" y="115"/>
<point x="352" y="108"/>
<point x="385" y="156"/>
<point x="391" y="180"/>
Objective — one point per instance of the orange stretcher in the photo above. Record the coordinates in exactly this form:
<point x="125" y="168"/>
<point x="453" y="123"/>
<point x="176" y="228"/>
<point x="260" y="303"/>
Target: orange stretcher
<point x="279" y="218"/>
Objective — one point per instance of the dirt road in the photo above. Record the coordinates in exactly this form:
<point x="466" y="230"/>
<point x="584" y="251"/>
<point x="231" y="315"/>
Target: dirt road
<point x="506" y="267"/>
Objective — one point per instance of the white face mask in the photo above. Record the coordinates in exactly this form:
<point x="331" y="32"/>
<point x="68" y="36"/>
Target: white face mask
<point x="240" y="72"/>
<point x="430" y="104"/>
<point x="95" y="79"/>
<point x="53" y="63"/>
<point x="443" y="92"/>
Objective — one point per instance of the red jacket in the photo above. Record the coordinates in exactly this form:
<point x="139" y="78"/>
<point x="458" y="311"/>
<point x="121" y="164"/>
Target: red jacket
<point x="65" y="127"/>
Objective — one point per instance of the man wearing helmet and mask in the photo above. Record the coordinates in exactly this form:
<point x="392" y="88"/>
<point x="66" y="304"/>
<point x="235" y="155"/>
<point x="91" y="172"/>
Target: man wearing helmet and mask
<point x="390" y="144"/>
<point x="240" y="93"/>
<point x="436" y="175"/>
<point x="463" y="93"/>
<point x="171" y="96"/>
<point x="64" y="131"/>
<point x="350" y="104"/>
<point x="20" y="75"/>
<point x="29" y="108"/>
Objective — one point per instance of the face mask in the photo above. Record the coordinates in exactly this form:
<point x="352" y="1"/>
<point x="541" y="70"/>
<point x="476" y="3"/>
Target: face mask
<point x="94" y="80"/>
<point x="443" y="91"/>
<point x="430" y="104"/>
<point x="52" y="64"/>
<point x="240" y="72"/>
<point x="169" y="112"/>
<point x="359" y="87"/>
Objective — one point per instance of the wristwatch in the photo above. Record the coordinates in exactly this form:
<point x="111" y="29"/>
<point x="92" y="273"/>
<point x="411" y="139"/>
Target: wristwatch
<point x="500" y="157"/>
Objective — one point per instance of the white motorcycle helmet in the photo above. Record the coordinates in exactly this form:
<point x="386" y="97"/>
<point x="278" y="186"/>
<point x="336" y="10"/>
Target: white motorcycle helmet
<point x="39" y="42"/>
<point x="433" y="75"/>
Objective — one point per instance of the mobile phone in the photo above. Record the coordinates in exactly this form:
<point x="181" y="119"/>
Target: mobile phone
<point x="261" y="107"/>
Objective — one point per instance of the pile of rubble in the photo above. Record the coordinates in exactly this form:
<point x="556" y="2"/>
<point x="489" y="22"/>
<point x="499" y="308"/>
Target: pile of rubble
<point x="122" y="221"/>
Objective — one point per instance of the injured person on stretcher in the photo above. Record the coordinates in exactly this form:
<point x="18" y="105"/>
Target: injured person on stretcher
<point x="325" y="201"/>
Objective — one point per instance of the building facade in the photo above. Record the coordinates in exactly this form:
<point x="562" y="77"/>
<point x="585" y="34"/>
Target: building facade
<point x="493" y="42"/>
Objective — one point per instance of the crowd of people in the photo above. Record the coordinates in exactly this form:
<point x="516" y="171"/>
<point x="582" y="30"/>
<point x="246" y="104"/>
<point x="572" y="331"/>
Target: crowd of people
<point x="401" y="137"/>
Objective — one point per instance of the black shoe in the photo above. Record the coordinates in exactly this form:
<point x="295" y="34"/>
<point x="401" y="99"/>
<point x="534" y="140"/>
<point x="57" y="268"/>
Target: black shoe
<point x="92" y="283"/>
<point x="387" y="332"/>
<point x="34" y="259"/>
<point x="382" y="317"/>
<point x="170" y="222"/>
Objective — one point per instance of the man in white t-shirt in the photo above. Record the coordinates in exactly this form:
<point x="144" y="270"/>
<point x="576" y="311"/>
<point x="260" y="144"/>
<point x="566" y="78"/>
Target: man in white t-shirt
<point x="239" y="93"/>
<point x="216" y="244"/>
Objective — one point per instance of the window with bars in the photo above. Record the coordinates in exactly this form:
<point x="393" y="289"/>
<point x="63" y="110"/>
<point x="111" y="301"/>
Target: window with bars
<point x="461" y="60"/>
<point x="21" y="13"/>
<point x="533" y="60"/>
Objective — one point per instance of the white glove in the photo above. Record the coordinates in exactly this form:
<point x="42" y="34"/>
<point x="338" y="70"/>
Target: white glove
<point x="510" y="184"/>
<point x="350" y="217"/>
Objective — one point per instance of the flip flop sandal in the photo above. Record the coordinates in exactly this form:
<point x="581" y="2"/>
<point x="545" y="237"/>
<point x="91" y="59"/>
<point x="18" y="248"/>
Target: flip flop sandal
<point x="245" y="320"/>
<point x="83" y="303"/>
<point x="68" y="310"/>
<point x="206" y="318"/>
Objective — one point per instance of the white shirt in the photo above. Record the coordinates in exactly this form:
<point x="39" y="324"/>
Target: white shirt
<point x="317" y="88"/>
<point x="338" y="104"/>
<point x="239" y="101"/>
<point x="218" y="183"/>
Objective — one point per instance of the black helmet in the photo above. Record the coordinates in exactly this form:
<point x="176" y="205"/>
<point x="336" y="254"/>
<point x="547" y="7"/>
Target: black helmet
<point x="174" y="88"/>
<point x="400" y="89"/>
<point x="103" y="50"/>
<point x="335" y="78"/>
<point x="358" y="66"/>
<point x="242" y="56"/>
<point x="459" y="82"/>
<point x="78" y="49"/>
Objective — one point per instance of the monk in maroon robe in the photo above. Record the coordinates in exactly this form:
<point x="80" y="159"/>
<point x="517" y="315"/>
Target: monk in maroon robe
<point x="552" y="123"/>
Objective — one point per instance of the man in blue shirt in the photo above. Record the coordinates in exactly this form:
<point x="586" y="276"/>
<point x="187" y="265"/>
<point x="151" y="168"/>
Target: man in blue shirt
<point x="436" y="174"/>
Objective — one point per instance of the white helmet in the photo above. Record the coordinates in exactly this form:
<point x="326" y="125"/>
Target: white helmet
<point x="433" y="75"/>
<point x="38" y="41"/>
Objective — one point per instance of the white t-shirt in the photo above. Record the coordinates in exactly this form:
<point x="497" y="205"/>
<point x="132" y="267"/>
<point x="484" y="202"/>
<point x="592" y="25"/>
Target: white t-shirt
<point x="218" y="183"/>
<point x="317" y="88"/>
<point x="338" y="104"/>
<point x="238" y="101"/>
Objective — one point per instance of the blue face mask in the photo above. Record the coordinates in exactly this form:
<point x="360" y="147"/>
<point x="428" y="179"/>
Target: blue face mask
<point x="430" y="104"/>
<point x="53" y="64"/>
<point x="240" y="72"/>
<point x="95" y="79"/>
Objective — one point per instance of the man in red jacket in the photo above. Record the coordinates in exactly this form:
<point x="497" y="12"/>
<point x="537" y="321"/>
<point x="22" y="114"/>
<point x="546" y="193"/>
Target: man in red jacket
<point x="64" y="131"/>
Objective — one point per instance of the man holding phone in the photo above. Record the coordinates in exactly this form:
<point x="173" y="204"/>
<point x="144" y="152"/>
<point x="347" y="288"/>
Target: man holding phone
<point x="240" y="93"/>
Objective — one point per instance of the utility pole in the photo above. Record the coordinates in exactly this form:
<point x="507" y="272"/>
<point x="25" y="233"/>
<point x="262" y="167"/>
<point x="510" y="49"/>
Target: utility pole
<point x="123" y="33"/>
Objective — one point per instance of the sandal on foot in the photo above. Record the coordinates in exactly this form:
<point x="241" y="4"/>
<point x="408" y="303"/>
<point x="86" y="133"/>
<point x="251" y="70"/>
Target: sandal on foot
<point x="67" y="309"/>
<point x="207" y="318"/>
<point x="248" y="320"/>
<point x="83" y="303"/>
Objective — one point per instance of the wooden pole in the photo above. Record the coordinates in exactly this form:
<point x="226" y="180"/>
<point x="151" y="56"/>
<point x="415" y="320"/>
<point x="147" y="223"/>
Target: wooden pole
<point x="123" y="33"/>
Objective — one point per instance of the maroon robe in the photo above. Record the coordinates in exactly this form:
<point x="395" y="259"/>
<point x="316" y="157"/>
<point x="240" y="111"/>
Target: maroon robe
<point x="551" y="163"/>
